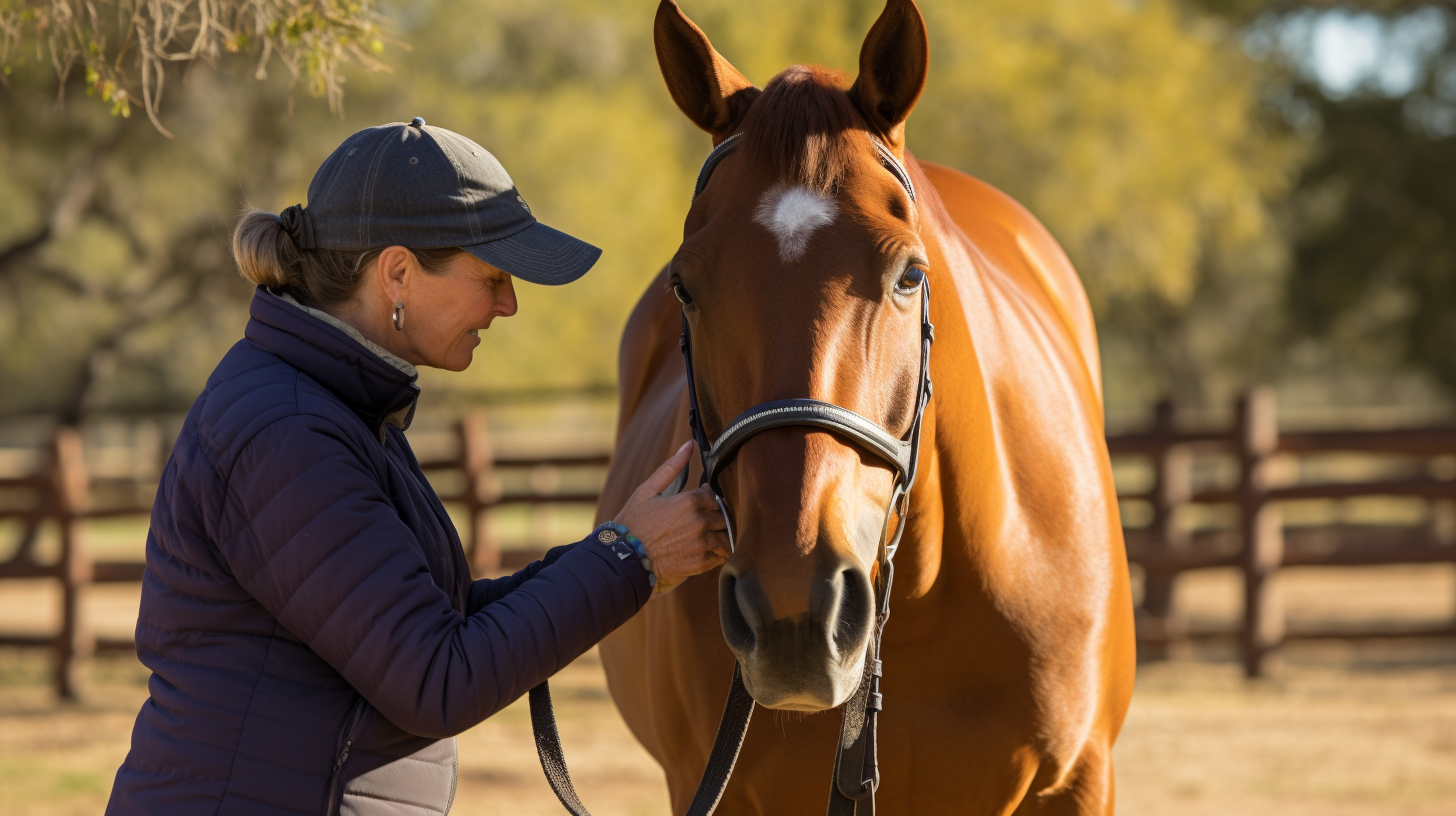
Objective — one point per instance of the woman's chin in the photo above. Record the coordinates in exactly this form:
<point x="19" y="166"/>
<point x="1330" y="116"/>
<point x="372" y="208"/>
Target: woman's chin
<point x="460" y="360"/>
<point x="461" y="356"/>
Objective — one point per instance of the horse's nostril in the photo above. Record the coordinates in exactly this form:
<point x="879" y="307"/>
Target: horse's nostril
<point x="855" y="613"/>
<point x="736" y="628"/>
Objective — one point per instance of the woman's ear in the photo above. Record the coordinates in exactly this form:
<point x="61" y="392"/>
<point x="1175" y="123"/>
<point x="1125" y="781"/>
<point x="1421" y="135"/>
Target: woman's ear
<point x="394" y="271"/>
<point x="713" y="94"/>
<point x="893" y="64"/>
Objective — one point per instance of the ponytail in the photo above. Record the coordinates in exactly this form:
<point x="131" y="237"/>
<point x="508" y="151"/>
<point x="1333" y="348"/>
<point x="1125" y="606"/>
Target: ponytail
<point x="264" y="252"/>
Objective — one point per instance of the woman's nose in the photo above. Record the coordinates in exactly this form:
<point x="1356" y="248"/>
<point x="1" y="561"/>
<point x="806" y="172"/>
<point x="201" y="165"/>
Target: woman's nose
<point x="505" y="302"/>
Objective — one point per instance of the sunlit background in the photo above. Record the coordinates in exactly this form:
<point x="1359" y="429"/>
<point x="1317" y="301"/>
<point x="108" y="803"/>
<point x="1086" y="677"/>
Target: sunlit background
<point x="1254" y="193"/>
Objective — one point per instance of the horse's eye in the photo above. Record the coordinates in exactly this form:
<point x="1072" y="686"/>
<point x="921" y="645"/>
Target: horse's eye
<point x="681" y="292"/>
<point x="910" y="280"/>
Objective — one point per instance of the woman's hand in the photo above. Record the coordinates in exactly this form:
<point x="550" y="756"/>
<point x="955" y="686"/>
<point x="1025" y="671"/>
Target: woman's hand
<point x="683" y="534"/>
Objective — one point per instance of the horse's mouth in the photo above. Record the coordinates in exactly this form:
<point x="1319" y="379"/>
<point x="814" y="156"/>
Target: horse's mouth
<point x="808" y="685"/>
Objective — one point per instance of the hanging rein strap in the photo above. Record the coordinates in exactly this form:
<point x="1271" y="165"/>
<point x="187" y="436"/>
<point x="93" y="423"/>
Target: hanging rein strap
<point x="731" y="732"/>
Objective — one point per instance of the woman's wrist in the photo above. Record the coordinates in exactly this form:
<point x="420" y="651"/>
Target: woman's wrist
<point x="614" y="534"/>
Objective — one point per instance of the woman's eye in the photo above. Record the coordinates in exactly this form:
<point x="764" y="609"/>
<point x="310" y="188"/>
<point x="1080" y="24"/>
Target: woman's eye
<point x="682" y="293"/>
<point x="911" y="279"/>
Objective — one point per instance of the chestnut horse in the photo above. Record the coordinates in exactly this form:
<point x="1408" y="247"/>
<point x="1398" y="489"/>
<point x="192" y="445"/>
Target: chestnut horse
<point x="1009" y="657"/>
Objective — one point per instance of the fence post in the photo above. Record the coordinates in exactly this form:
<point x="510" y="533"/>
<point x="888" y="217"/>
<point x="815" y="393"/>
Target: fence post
<point x="1261" y="526"/>
<point x="477" y="462"/>
<point x="1172" y="488"/>
<point x="75" y="643"/>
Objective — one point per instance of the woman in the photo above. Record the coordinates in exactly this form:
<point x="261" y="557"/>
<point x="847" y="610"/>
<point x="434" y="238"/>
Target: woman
<point x="314" y="636"/>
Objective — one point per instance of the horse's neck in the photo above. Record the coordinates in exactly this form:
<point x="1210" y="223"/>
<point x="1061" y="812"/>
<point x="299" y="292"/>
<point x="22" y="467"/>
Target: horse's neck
<point x="1013" y="451"/>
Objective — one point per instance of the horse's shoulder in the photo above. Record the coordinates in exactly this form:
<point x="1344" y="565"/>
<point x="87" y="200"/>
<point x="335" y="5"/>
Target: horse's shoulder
<point x="1001" y="227"/>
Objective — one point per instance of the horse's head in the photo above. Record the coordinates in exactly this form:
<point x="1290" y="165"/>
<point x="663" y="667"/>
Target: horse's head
<point x="800" y="274"/>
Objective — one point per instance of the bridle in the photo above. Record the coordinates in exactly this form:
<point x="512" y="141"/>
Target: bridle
<point x="856" y="770"/>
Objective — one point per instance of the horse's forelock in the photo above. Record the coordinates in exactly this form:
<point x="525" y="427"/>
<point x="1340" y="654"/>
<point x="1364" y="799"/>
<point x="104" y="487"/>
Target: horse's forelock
<point x="801" y="127"/>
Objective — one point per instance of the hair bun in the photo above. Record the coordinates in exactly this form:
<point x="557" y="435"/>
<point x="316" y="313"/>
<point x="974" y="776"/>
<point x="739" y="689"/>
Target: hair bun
<point x="264" y="249"/>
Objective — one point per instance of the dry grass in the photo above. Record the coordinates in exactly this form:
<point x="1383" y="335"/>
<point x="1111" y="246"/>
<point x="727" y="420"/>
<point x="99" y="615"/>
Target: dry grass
<point x="1341" y="730"/>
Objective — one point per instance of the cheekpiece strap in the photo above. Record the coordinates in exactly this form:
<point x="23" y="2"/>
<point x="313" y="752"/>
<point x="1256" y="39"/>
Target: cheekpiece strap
<point x="724" y="147"/>
<point x="893" y="164"/>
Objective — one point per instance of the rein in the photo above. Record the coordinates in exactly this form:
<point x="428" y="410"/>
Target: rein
<point x="856" y="767"/>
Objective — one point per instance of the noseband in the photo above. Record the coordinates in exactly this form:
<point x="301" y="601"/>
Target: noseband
<point x="856" y="771"/>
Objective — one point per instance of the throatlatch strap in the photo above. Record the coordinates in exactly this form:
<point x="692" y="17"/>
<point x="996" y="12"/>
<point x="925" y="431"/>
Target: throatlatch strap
<point x="731" y="731"/>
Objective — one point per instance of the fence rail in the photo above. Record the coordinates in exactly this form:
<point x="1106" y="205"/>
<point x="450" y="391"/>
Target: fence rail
<point x="1257" y="545"/>
<point x="1264" y="544"/>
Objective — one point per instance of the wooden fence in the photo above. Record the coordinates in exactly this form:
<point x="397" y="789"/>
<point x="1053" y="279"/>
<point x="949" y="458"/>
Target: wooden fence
<point x="1419" y="466"/>
<point x="1267" y="467"/>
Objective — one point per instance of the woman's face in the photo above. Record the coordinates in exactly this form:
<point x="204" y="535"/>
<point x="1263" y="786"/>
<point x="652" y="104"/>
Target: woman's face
<point x="444" y="313"/>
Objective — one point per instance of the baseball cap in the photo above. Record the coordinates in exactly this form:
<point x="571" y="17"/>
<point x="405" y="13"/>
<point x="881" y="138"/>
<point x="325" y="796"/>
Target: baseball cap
<point x="426" y="187"/>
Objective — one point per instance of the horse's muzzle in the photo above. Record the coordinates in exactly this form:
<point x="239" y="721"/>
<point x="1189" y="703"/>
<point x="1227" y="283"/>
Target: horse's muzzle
<point x="808" y="662"/>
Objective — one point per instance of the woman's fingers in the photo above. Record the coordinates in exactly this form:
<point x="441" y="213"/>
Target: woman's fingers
<point x="719" y="546"/>
<point x="685" y="534"/>
<point x="707" y="506"/>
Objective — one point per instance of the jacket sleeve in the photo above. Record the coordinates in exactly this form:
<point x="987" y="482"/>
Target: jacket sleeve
<point x="307" y="530"/>
<point x="490" y="590"/>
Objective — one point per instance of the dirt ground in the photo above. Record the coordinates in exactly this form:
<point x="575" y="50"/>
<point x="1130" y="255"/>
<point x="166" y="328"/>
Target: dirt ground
<point x="1341" y="730"/>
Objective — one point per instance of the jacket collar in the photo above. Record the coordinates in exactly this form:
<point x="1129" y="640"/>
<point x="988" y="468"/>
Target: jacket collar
<point x="378" y="390"/>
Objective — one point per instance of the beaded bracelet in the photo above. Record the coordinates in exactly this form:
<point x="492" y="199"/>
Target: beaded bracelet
<point x="613" y="534"/>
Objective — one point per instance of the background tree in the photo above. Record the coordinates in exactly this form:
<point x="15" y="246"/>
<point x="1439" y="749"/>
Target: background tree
<point x="1373" y="217"/>
<point x="110" y="233"/>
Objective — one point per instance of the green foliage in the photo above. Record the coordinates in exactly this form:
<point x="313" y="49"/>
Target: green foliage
<point x="1132" y="129"/>
<point x="124" y="46"/>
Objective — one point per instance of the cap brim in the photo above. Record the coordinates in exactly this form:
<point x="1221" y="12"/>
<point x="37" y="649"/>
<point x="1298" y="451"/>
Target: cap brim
<point x="539" y="254"/>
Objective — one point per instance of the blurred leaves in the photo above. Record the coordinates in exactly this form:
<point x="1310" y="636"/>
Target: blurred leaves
<point x="124" y="47"/>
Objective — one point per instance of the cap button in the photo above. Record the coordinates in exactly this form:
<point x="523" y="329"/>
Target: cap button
<point x="418" y="121"/>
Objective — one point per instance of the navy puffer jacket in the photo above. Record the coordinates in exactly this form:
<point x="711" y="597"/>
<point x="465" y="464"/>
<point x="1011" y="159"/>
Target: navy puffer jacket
<point x="308" y="615"/>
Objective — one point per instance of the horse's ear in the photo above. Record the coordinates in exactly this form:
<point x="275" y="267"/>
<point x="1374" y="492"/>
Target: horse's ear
<point x="893" y="64"/>
<point x="704" y="85"/>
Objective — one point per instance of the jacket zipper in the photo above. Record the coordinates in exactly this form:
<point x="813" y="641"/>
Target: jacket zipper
<point x="336" y="788"/>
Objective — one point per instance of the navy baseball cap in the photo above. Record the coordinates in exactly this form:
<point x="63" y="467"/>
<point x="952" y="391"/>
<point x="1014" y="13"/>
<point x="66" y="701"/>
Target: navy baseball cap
<point x="425" y="187"/>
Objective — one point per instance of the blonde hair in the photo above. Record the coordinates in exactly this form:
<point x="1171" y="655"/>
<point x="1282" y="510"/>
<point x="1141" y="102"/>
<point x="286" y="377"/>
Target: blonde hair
<point x="267" y="256"/>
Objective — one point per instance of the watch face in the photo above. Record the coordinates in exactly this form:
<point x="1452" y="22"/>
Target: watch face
<point x="607" y="536"/>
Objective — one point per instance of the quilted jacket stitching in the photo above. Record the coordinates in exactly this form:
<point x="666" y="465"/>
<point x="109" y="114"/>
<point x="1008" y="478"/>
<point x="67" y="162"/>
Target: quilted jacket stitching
<point x="243" y="725"/>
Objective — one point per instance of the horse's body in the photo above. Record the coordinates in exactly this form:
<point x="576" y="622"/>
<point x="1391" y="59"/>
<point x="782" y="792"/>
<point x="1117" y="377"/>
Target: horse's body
<point x="1008" y="659"/>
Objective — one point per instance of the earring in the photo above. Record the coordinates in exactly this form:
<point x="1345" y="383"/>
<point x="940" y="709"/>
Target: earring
<point x="398" y="315"/>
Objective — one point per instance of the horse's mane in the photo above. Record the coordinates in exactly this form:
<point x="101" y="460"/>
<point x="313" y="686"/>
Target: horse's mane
<point x="801" y="127"/>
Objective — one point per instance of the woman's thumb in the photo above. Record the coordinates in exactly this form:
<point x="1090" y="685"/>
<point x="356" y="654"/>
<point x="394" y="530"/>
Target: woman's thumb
<point x="664" y="475"/>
